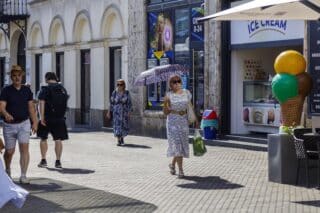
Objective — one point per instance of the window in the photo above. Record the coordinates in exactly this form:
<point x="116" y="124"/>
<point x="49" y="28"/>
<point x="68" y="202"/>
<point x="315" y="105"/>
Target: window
<point x="160" y="43"/>
<point x="182" y="30"/>
<point x="173" y="38"/>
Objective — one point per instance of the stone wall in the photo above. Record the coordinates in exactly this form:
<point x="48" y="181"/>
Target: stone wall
<point x="137" y="51"/>
<point x="212" y="57"/>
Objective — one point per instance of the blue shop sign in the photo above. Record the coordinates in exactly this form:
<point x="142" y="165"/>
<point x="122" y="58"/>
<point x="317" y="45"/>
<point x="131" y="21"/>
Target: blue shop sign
<point x="196" y="27"/>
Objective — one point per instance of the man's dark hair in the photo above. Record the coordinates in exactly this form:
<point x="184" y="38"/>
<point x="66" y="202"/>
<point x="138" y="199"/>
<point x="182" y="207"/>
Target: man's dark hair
<point x="51" y="76"/>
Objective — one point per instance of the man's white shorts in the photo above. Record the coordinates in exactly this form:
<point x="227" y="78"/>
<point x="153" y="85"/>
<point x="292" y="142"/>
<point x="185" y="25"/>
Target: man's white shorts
<point x="16" y="132"/>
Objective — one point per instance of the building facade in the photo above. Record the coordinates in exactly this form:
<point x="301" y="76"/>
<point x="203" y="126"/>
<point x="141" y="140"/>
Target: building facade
<point x="90" y="44"/>
<point x="85" y="42"/>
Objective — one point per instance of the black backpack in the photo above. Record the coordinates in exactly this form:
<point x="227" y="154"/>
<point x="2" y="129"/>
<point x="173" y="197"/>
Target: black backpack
<point x="57" y="101"/>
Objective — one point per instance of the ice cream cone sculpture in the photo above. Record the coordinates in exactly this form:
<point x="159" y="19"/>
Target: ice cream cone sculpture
<point x="291" y="85"/>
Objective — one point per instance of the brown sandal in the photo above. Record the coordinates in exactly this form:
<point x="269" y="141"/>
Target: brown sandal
<point x="181" y="174"/>
<point x="172" y="169"/>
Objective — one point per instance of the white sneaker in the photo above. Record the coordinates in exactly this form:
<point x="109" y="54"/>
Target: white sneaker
<point x="24" y="180"/>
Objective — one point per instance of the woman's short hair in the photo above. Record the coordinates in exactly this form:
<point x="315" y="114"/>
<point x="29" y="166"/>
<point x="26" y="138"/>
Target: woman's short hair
<point x="51" y="76"/>
<point x="173" y="78"/>
<point x="122" y="81"/>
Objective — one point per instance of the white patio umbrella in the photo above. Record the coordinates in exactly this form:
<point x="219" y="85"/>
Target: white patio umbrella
<point x="270" y="9"/>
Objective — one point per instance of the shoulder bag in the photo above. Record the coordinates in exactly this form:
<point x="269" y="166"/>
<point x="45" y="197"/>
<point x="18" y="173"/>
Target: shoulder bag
<point x="191" y="115"/>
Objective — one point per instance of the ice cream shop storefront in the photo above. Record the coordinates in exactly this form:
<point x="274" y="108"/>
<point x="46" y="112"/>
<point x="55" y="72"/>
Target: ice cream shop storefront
<point x="254" y="48"/>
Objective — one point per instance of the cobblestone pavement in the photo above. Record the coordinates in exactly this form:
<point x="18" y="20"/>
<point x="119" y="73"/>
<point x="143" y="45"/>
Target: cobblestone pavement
<point x="224" y="180"/>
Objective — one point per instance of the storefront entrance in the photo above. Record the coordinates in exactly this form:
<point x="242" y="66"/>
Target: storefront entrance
<point x="253" y="109"/>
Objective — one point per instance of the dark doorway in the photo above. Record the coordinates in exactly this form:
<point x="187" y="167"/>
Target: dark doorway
<point x="2" y="71"/>
<point x="21" y="54"/>
<point x="85" y="87"/>
<point x="38" y="66"/>
<point x="60" y="66"/>
<point x="115" y="74"/>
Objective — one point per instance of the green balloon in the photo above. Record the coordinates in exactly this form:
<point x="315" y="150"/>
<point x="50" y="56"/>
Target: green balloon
<point x="284" y="86"/>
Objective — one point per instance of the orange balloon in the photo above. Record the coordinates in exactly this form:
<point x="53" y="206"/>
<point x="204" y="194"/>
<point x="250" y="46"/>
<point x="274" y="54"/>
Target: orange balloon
<point x="291" y="62"/>
<point x="304" y="84"/>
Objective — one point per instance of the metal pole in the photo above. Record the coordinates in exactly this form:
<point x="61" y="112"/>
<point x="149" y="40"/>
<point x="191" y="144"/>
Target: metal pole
<point x="193" y="79"/>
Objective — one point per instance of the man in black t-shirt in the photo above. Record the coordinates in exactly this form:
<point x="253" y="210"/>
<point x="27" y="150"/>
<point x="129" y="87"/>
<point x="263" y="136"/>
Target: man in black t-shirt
<point x="17" y="107"/>
<point x="50" y="120"/>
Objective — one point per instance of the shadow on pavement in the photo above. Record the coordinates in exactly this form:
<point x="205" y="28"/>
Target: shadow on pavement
<point x="48" y="195"/>
<point x="207" y="183"/>
<point x="315" y="203"/>
<point x="44" y="187"/>
<point x="136" y="146"/>
<point x="71" y="170"/>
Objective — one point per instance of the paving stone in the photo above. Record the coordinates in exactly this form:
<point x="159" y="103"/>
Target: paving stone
<point x="225" y="179"/>
<point x="49" y="195"/>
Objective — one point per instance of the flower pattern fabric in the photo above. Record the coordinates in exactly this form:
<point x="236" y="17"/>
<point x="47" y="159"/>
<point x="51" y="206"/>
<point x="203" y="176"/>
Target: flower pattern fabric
<point x="177" y="125"/>
<point x="120" y="106"/>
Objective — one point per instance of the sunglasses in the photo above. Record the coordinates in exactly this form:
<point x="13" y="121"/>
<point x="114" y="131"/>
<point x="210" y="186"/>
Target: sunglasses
<point x="120" y="84"/>
<point x="176" y="82"/>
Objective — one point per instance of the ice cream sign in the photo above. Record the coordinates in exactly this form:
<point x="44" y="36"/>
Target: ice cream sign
<point x="244" y="32"/>
<point x="255" y="27"/>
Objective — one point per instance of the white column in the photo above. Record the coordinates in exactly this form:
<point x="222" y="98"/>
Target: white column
<point x="124" y="67"/>
<point x="70" y="76"/>
<point x="97" y="78"/>
<point x="46" y="65"/>
<point x="29" y="70"/>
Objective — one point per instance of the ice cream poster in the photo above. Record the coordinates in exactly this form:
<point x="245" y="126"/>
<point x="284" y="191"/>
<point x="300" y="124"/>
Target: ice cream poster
<point x="253" y="70"/>
<point x="267" y="116"/>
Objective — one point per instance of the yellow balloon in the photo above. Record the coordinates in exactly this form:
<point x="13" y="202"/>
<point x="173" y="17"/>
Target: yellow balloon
<point x="291" y="62"/>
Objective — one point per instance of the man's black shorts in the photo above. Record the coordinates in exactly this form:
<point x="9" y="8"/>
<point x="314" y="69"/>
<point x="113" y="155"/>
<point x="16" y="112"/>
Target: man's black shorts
<point x="56" y="127"/>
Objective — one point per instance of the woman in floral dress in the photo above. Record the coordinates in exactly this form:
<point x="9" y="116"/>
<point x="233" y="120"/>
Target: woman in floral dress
<point x="175" y="107"/>
<point x="10" y="192"/>
<point x="120" y="106"/>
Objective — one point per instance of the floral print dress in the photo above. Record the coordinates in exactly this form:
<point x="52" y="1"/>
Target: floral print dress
<point x="177" y="125"/>
<point x="120" y="106"/>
